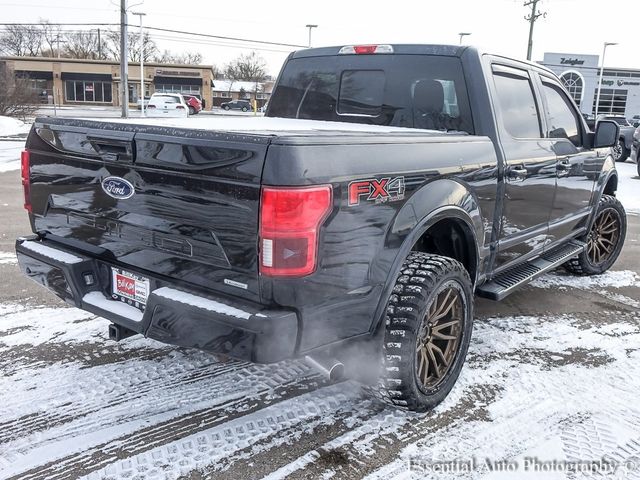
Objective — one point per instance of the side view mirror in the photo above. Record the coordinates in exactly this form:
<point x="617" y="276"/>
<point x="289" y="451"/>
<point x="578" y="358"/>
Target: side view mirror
<point x="607" y="133"/>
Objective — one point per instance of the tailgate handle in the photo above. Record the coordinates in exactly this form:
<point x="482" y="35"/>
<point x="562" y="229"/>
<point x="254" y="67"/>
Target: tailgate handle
<point x="111" y="149"/>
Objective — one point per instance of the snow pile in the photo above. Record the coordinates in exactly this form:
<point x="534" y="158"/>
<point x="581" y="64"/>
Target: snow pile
<point x="8" y="258"/>
<point x="10" y="155"/>
<point x="12" y="126"/>
<point x="629" y="186"/>
<point x="611" y="279"/>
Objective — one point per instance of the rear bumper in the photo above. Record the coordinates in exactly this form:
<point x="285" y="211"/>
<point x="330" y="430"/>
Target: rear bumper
<point x="172" y="315"/>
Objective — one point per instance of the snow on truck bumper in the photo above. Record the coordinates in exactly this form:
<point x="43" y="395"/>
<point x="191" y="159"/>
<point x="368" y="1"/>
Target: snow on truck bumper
<point x="188" y="319"/>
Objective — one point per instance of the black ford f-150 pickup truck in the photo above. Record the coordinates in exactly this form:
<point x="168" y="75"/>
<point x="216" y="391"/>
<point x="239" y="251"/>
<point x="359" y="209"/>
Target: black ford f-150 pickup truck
<point x="353" y="225"/>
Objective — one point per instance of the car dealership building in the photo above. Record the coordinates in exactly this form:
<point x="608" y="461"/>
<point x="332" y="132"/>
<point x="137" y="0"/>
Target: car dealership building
<point x="620" y="91"/>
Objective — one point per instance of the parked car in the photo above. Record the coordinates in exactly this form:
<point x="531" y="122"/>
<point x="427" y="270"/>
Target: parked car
<point x="635" y="148"/>
<point x="167" y="105"/>
<point x="356" y="242"/>
<point x="622" y="148"/>
<point x="194" y="103"/>
<point x="591" y="121"/>
<point x="146" y="102"/>
<point x="243" y="105"/>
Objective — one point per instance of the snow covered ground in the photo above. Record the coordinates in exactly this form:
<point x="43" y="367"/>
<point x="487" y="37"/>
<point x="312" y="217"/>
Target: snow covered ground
<point x="551" y="387"/>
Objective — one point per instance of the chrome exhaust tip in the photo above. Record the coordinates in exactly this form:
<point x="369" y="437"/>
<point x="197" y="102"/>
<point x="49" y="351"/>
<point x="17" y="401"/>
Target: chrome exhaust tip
<point x="329" y="367"/>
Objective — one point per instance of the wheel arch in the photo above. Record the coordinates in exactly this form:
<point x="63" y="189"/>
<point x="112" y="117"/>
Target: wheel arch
<point x="607" y="184"/>
<point x="442" y="204"/>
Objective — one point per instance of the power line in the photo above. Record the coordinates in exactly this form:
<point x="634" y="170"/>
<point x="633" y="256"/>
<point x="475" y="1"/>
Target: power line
<point x="158" y="29"/>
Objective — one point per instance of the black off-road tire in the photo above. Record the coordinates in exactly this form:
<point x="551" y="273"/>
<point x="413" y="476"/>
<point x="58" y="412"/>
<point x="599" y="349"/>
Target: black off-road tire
<point x="192" y="110"/>
<point x="422" y="278"/>
<point x="620" y="151"/>
<point x="584" y="264"/>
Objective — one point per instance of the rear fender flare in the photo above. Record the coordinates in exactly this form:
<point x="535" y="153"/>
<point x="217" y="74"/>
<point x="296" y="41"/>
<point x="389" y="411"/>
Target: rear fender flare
<point x="608" y="172"/>
<point x="435" y="201"/>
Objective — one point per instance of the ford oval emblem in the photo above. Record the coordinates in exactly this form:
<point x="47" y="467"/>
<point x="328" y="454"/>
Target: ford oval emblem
<point x="117" y="187"/>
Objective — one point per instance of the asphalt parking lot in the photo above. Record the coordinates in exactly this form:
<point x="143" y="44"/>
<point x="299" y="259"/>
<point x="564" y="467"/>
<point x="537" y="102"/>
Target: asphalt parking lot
<point x="553" y="374"/>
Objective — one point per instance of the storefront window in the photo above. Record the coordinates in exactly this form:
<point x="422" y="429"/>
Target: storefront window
<point x="168" y="88"/>
<point x="612" y="101"/>
<point x="86" y="91"/>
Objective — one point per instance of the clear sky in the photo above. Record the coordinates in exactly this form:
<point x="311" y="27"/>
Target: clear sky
<point x="498" y="26"/>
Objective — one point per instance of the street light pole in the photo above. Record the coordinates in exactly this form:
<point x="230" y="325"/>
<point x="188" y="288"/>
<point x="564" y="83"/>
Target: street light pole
<point x="141" y="96"/>
<point x="462" y="35"/>
<point x="604" y="52"/>
<point x="310" y="27"/>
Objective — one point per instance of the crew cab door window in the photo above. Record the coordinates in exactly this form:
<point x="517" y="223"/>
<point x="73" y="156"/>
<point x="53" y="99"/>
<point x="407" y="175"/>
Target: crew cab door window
<point x="517" y="103"/>
<point x="561" y="118"/>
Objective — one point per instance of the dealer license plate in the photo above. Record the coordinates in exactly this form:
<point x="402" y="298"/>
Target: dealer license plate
<point x="129" y="288"/>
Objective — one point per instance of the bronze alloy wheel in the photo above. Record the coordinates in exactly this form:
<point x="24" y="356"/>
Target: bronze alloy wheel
<point x="439" y="336"/>
<point x="617" y="151"/>
<point x="603" y="238"/>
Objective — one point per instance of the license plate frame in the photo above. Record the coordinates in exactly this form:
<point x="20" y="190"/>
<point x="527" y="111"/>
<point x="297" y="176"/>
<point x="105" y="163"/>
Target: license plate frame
<point x="130" y="288"/>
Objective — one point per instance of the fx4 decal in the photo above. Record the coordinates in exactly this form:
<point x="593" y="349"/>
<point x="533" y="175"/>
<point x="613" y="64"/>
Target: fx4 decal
<point x="378" y="191"/>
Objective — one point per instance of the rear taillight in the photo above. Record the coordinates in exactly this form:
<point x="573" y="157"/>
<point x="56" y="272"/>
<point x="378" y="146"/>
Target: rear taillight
<point x="365" y="49"/>
<point x="25" y="160"/>
<point x="290" y="220"/>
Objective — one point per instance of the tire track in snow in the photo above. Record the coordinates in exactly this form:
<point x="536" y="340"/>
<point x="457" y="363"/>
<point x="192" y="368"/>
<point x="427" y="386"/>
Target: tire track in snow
<point x="486" y="403"/>
<point x="160" y="433"/>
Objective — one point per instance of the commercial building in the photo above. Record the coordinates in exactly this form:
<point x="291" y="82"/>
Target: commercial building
<point x="620" y="90"/>
<point x="97" y="82"/>
<point x="226" y="90"/>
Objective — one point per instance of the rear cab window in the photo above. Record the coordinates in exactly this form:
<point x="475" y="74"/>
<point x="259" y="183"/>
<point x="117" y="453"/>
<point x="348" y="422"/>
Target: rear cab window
<point x="516" y="102"/>
<point x="401" y="90"/>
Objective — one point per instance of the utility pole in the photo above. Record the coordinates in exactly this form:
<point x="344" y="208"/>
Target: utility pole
<point x="124" y="61"/>
<point x="310" y="27"/>
<point x="99" y="46"/>
<point x="58" y="42"/>
<point x="141" y="95"/>
<point x="531" y="18"/>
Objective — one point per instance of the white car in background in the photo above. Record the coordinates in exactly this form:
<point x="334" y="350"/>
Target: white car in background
<point x="167" y="105"/>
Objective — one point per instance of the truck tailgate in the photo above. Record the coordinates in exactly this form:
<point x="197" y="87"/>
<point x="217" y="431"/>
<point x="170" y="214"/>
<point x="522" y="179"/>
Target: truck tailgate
<point x="193" y="213"/>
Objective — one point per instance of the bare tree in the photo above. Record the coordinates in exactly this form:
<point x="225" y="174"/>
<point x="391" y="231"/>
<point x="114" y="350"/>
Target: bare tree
<point x="187" y="58"/>
<point x="248" y="67"/>
<point x="112" y="46"/>
<point x="81" y="44"/>
<point x="21" y="40"/>
<point x="17" y="98"/>
<point x="51" y="35"/>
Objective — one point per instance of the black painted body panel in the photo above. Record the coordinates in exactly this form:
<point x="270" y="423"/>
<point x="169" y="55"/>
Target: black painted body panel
<point x="193" y="221"/>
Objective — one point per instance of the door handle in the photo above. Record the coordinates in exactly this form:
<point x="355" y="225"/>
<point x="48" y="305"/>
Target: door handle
<point x="564" y="164"/>
<point x="518" y="171"/>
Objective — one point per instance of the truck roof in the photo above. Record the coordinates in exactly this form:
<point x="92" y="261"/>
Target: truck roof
<point x="418" y="49"/>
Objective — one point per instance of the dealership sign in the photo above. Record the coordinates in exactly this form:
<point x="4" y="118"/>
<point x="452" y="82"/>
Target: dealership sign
<point x="620" y="83"/>
<point x="571" y="61"/>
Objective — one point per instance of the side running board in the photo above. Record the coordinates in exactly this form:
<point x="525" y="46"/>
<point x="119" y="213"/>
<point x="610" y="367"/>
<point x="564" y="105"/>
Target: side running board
<point x="507" y="282"/>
